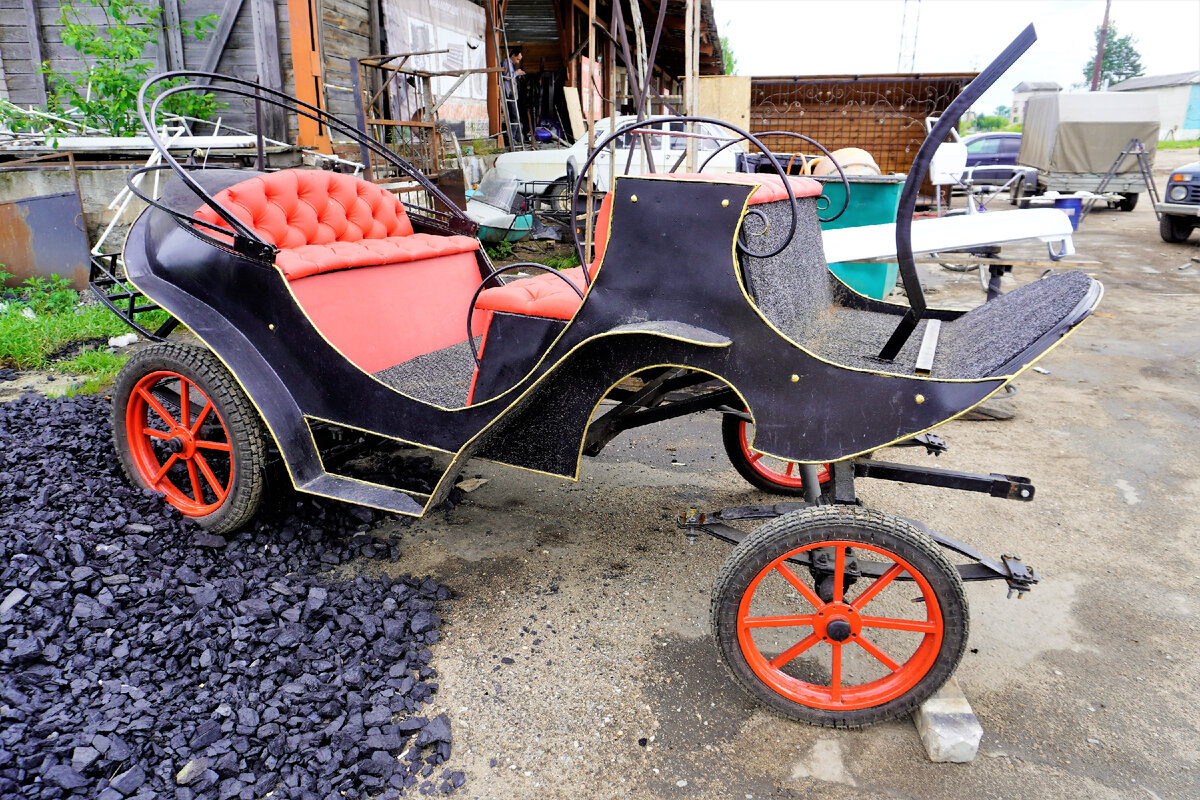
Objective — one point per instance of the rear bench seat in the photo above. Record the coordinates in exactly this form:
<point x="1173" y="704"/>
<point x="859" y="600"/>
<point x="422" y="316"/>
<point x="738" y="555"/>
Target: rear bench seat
<point x="549" y="296"/>
<point x="379" y="292"/>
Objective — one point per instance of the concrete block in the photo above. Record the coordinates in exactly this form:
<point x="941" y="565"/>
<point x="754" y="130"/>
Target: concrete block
<point x="948" y="727"/>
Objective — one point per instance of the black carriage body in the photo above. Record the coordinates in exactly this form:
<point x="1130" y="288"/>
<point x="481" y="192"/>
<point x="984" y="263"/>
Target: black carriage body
<point x="670" y="292"/>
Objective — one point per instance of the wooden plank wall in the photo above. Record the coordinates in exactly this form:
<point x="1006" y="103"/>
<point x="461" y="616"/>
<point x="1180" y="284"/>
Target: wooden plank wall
<point x="349" y="29"/>
<point x="346" y="34"/>
<point x="24" y="86"/>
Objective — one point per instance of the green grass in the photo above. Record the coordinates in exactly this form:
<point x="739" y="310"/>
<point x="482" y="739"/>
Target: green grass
<point x="43" y="316"/>
<point x="90" y="386"/>
<point x="562" y="262"/>
<point x="25" y="343"/>
<point x="1183" y="144"/>
<point x="93" y="362"/>
<point x="499" y="251"/>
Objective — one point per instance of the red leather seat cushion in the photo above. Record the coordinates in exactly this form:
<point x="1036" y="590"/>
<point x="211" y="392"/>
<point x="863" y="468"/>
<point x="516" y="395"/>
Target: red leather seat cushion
<point x="323" y="221"/>
<point x="539" y="296"/>
<point x="313" y="259"/>
<point x="545" y="295"/>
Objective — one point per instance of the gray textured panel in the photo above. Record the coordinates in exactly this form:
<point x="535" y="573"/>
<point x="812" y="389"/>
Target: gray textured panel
<point x="793" y="287"/>
<point x="442" y="377"/>
<point x="794" y="290"/>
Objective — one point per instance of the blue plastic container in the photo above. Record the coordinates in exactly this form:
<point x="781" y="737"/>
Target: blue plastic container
<point x="1073" y="206"/>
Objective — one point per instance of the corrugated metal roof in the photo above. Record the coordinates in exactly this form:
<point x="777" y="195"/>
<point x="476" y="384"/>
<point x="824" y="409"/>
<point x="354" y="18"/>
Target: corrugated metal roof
<point x="1156" y="81"/>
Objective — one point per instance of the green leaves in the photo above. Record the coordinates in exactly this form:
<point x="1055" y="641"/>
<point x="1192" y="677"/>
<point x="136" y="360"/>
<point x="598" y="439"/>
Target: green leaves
<point x="103" y="94"/>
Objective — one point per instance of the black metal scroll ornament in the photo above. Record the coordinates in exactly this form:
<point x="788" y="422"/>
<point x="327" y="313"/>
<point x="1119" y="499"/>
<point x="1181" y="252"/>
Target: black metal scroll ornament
<point x="908" y="195"/>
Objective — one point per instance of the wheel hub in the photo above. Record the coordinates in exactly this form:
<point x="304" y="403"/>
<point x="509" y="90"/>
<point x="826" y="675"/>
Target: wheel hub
<point x="182" y="443"/>
<point x="836" y="622"/>
<point x="838" y="630"/>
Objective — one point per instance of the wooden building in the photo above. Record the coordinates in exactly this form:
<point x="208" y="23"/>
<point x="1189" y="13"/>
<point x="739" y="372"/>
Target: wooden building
<point x="297" y="46"/>
<point x="307" y="47"/>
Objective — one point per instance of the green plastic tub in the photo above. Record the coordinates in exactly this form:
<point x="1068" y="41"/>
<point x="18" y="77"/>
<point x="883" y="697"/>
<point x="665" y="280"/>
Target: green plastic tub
<point x="873" y="201"/>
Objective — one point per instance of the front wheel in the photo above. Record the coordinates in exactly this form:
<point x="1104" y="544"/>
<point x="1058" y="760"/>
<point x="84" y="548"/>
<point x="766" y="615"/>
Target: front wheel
<point x="839" y="616"/>
<point x="765" y="472"/>
<point x="184" y="428"/>
<point x="1127" y="202"/>
<point x="1174" y="229"/>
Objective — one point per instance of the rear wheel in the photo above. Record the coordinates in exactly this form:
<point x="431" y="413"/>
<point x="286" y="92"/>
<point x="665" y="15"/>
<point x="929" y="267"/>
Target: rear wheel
<point x="839" y="616"/>
<point x="184" y="428"/>
<point x="763" y="471"/>
<point x="1128" y="201"/>
<point x="1174" y="229"/>
<point x="1016" y="192"/>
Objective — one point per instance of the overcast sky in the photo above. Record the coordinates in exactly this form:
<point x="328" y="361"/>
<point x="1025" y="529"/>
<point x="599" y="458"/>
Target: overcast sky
<point x="808" y="37"/>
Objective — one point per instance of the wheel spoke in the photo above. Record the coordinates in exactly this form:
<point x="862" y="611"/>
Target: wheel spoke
<point x="213" y="445"/>
<point x="157" y="434"/>
<point x="753" y="456"/>
<point x="835" y="673"/>
<point x="799" y="647"/>
<point x="875" y="588"/>
<point x="790" y="466"/>
<point x="210" y="477"/>
<point x="881" y="656"/>
<point x="158" y="476"/>
<point x="839" y="572"/>
<point x="800" y="586"/>
<point x="184" y="410"/>
<point x="778" y="622"/>
<point x="195" y="476"/>
<point x="919" y="625"/>
<point x="201" y="417"/>
<point x="157" y="406"/>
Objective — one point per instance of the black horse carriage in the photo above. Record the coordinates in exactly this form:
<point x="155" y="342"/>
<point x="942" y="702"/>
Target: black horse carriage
<point x="332" y="312"/>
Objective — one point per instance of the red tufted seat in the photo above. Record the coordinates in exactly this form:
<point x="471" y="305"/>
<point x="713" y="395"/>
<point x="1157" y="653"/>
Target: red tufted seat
<point x="324" y="221"/>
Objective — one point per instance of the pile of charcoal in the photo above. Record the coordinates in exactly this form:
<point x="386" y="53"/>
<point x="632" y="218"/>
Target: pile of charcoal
<point x="141" y="657"/>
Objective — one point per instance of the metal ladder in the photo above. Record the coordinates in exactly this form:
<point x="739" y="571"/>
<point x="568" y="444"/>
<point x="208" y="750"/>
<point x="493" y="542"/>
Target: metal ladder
<point x="1137" y="149"/>
<point x="509" y="114"/>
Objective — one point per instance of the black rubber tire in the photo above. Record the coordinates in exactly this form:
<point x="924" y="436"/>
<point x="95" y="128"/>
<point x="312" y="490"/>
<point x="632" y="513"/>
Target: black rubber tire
<point x="1128" y="201"/>
<point x="243" y="426"/>
<point x="848" y="523"/>
<point x="1174" y="229"/>
<point x="1016" y="191"/>
<point x="731" y="438"/>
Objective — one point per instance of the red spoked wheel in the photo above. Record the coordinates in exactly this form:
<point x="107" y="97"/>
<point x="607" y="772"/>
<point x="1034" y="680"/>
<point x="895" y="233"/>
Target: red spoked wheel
<point x="183" y="428"/>
<point x="839" y="616"/>
<point x="169" y="443"/>
<point x="763" y="471"/>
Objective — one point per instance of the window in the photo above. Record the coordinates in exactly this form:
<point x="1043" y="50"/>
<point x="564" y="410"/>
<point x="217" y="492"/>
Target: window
<point x="984" y="147"/>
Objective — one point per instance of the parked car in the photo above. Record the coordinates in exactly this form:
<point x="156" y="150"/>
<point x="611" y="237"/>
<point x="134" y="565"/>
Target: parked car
<point x="1179" y="212"/>
<point x="667" y="143"/>
<point x="986" y="149"/>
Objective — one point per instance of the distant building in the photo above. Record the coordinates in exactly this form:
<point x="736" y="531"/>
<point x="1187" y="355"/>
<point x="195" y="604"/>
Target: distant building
<point x="1025" y="90"/>
<point x="1178" y="98"/>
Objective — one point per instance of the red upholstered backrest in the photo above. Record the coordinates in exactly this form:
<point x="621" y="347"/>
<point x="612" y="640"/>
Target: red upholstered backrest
<point x="295" y="207"/>
<point x="600" y="234"/>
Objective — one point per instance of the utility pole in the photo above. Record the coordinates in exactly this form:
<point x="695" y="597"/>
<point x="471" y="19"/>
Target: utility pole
<point x="1100" y="48"/>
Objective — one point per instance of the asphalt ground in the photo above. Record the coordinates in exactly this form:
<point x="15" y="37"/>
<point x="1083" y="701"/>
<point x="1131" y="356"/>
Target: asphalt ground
<point x="577" y="659"/>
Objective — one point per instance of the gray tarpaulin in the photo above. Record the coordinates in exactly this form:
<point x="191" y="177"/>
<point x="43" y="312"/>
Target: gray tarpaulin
<point x="1086" y="132"/>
